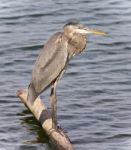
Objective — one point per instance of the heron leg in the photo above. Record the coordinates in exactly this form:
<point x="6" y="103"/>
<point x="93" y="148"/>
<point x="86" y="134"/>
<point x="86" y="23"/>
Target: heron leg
<point x="53" y="100"/>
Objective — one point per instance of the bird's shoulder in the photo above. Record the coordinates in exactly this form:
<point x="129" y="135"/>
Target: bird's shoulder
<point x="56" y="38"/>
<point x="54" y="43"/>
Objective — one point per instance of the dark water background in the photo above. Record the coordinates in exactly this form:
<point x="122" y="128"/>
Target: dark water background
<point x="94" y="97"/>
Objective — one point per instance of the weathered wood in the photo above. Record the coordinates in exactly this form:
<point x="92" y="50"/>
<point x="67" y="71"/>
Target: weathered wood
<point x="58" y="138"/>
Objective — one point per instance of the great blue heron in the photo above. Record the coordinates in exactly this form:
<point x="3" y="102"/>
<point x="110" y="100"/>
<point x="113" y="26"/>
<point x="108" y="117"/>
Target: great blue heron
<point x="53" y="59"/>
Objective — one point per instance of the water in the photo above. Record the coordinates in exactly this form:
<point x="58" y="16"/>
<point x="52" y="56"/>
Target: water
<point x="94" y="95"/>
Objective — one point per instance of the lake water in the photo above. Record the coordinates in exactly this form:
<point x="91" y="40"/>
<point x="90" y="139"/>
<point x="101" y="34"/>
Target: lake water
<point x="94" y="97"/>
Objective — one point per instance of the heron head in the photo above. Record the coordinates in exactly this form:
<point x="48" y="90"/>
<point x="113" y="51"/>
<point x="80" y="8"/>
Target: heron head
<point x="74" y="27"/>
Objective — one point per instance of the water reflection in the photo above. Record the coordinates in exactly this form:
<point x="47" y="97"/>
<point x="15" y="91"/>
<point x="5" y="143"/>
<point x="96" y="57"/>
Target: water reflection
<point x="33" y="126"/>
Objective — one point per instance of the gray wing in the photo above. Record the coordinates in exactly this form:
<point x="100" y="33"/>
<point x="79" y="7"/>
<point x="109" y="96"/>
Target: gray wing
<point x="50" y="63"/>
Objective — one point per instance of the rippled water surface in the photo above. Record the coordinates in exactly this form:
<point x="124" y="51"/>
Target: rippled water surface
<point x="94" y="97"/>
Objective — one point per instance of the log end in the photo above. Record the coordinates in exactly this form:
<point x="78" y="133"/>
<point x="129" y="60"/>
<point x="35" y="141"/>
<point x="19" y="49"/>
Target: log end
<point x="19" y="92"/>
<point x="57" y="137"/>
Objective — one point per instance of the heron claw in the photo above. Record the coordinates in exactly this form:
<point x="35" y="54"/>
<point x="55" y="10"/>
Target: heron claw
<point x="60" y="128"/>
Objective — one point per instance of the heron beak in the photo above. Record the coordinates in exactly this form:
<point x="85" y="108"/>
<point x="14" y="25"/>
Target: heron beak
<point x="86" y="30"/>
<point x="92" y="31"/>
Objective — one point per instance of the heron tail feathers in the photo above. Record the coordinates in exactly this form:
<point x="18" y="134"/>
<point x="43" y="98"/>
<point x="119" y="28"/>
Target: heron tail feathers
<point x="32" y="95"/>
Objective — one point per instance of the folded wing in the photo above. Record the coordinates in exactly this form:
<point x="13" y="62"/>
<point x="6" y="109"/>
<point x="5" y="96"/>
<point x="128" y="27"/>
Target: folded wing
<point x="49" y="64"/>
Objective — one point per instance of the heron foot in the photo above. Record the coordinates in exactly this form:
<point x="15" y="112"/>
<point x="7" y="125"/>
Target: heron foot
<point x="60" y="130"/>
<point x="59" y="127"/>
<point x="63" y="132"/>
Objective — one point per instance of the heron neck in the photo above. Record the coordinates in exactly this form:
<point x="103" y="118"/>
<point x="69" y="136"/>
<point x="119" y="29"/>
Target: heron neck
<point x="76" y="44"/>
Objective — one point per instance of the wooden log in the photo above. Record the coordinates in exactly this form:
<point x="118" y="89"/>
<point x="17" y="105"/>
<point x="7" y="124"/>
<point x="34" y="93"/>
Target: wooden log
<point x="58" y="138"/>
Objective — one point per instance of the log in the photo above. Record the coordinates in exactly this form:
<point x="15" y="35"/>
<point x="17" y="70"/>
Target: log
<point x="58" y="138"/>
